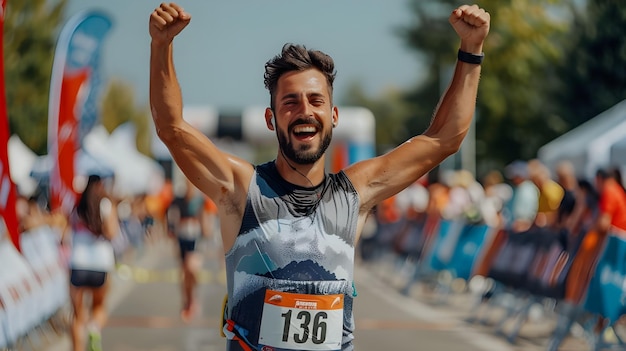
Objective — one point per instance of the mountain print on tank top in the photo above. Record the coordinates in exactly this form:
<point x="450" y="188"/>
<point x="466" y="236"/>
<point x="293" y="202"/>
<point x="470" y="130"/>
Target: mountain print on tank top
<point x="292" y="239"/>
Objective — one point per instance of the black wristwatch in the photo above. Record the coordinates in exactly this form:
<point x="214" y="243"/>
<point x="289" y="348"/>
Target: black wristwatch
<point x="470" y="58"/>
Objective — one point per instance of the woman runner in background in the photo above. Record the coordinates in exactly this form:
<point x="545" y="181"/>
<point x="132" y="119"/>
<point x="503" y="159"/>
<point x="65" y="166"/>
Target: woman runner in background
<point x="94" y="224"/>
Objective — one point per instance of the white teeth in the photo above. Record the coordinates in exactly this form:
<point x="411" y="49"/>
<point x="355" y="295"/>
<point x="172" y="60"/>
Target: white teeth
<point x="304" y="129"/>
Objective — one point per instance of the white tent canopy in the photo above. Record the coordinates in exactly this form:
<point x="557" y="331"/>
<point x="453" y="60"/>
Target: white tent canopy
<point x="135" y="173"/>
<point x="618" y="153"/>
<point x="102" y="154"/>
<point x="589" y="146"/>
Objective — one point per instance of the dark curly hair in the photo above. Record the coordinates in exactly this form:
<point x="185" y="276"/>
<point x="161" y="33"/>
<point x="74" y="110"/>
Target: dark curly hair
<point x="297" y="58"/>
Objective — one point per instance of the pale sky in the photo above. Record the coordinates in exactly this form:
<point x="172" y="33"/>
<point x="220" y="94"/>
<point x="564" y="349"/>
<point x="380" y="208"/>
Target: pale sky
<point x="220" y="56"/>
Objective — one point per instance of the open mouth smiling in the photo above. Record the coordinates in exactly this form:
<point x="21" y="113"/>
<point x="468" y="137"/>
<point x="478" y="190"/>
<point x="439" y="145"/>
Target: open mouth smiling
<point x="304" y="131"/>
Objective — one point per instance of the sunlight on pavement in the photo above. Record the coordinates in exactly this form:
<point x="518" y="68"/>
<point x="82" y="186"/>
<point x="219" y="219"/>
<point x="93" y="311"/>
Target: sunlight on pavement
<point x="145" y="276"/>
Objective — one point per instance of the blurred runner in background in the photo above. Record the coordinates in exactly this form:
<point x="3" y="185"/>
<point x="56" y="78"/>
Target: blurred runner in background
<point x="94" y="223"/>
<point x="186" y="223"/>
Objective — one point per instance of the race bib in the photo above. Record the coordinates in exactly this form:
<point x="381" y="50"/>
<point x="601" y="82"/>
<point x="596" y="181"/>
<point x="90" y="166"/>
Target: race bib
<point x="301" y="321"/>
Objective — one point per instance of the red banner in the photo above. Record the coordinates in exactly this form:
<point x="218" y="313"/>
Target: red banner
<point x="62" y="193"/>
<point x="8" y="191"/>
<point x="73" y="100"/>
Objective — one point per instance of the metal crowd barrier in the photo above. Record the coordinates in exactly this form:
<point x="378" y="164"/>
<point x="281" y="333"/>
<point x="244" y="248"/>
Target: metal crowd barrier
<point x="539" y="266"/>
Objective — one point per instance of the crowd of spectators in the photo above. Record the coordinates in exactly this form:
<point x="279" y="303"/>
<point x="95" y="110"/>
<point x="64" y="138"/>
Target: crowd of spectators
<point x="525" y="196"/>
<point x="528" y="200"/>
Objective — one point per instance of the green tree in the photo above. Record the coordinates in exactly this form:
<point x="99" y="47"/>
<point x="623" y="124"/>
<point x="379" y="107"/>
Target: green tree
<point x="118" y="107"/>
<point x="30" y="30"/>
<point x="594" y="73"/>
<point x="515" y="113"/>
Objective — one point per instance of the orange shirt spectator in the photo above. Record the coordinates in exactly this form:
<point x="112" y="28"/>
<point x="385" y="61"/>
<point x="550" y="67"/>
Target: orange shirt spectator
<point x="388" y="211"/>
<point x="612" y="205"/>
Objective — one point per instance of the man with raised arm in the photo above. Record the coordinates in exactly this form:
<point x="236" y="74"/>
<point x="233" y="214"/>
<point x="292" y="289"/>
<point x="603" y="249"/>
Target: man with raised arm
<point x="289" y="228"/>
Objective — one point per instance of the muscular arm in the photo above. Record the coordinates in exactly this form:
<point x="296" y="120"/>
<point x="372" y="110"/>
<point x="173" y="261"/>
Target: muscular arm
<point x="219" y="175"/>
<point x="386" y="175"/>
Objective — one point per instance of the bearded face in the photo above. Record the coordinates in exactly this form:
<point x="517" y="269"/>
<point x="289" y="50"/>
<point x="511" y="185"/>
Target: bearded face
<point x="303" y="153"/>
<point x="303" y="113"/>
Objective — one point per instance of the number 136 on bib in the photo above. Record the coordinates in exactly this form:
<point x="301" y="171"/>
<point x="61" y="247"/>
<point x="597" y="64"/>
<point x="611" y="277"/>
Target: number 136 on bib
<point x="301" y="322"/>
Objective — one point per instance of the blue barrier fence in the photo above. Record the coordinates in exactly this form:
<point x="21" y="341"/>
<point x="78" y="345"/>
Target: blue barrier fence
<point x="457" y="247"/>
<point x="532" y="266"/>
<point x="606" y="295"/>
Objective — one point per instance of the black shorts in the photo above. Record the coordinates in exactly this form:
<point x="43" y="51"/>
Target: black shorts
<point x="87" y="279"/>
<point x="186" y="246"/>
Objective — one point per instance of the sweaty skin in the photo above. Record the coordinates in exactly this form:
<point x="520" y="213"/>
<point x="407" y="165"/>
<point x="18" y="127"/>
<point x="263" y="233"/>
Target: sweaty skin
<point x="305" y="95"/>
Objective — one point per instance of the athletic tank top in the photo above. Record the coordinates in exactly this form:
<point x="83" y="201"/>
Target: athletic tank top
<point x="90" y="251"/>
<point x="298" y="241"/>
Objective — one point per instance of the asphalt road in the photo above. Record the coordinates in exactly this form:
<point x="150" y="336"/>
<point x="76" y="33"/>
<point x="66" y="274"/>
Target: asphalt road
<point x="145" y="301"/>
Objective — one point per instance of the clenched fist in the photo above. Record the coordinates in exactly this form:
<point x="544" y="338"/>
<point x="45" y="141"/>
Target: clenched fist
<point x="471" y="23"/>
<point x="166" y="21"/>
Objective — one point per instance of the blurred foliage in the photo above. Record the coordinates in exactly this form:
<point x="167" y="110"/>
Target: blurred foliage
<point x="118" y="107"/>
<point x="30" y="31"/>
<point x="594" y="69"/>
<point x="516" y="107"/>
<point x="549" y="66"/>
<point x="521" y="52"/>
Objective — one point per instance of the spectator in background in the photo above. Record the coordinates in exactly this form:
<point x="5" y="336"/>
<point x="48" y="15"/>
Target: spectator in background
<point x="465" y="195"/>
<point x="577" y="206"/>
<point x="413" y="200"/>
<point x="616" y="173"/>
<point x="550" y="193"/>
<point x="612" y="205"/>
<point x="585" y="244"/>
<point x="520" y="211"/>
<point x="566" y="177"/>
<point x="611" y="217"/>
<point x="388" y="225"/>
<point x="438" y="198"/>
<point x="458" y="196"/>
<point x="583" y="216"/>
<point x="497" y="193"/>
<point x="94" y="223"/>
<point x="412" y="203"/>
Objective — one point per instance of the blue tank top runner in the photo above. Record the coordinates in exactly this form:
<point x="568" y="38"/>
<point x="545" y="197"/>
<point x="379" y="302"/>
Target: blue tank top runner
<point x="290" y="271"/>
